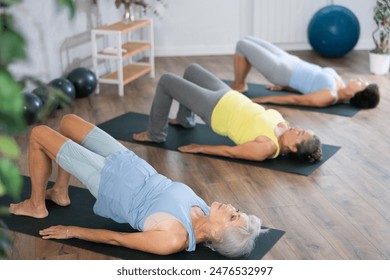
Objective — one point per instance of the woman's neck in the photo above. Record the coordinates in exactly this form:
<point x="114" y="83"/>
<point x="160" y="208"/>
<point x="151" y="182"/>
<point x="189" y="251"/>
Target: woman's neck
<point x="345" y="94"/>
<point x="200" y="224"/>
<point x="283" y="148"/>
<point x="279" y="130"/>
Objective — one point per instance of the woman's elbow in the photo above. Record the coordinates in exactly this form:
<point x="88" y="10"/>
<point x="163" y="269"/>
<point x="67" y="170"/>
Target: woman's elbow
<point x="171" y="247"/>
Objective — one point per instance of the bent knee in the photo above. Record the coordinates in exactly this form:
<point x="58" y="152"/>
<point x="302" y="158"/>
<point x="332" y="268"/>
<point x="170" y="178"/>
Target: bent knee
<point x="167" y="79"/>
<point x="68" y="118"/>
<point x="67" y="123"/>
<point x="39" y="131"/>
<point x="241" y="46"/>
<point x="191" y="69"/>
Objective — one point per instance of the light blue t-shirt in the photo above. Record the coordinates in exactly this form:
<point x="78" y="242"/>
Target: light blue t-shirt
<point x="307" y="78"/>
<point x="131" y="190"/>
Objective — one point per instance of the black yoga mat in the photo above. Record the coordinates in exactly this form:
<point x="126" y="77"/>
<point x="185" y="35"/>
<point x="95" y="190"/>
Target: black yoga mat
<point x="341" y="109"/>
<point x="124" y="126"/>
<point x="80" y="213"/>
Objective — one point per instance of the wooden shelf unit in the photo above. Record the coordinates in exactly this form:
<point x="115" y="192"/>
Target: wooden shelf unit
<point x="126" y="71"/>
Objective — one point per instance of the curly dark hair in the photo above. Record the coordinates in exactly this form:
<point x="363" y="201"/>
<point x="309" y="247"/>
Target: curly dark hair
<point x="309" y="150"/>
<point x="367" y="98"/>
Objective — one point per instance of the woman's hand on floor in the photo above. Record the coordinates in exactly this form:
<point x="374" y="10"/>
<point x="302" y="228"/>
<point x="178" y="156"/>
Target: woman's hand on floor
<point x="274" y="88"/>
<point x="56" y="232"/>
<point x="192" y="148"/>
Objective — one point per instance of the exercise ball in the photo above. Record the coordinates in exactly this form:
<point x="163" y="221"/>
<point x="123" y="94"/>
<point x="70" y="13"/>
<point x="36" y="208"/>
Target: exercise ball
<point x="32" y="106"/>
<point x="333" y="31"/>
<point x="83" y="80"/>
<point x="43" y="93"/>
<point x="66" y="87"/>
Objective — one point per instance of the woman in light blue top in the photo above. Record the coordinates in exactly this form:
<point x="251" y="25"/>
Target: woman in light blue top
<point x="168" y="214"/>
<point x="312" y="85"/>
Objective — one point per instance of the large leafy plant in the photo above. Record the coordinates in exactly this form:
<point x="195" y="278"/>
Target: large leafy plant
<point x="382" y="32"/>
<point x="13" y="49"/>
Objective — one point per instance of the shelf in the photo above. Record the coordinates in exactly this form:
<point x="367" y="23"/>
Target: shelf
<point x="132" y="48"/>
<point x="131" y="72"/>
<point x="123" y="27"/>
<point x="127" y="70"/>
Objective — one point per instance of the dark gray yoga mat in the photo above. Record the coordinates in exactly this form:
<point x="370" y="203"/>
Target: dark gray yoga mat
<point x="341" y="109"/>
<point x="124" y="126"/>
<point x="80" y="213"/>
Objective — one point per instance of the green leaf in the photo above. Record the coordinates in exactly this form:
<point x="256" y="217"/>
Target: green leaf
<point x="9" y="147"/>
<point x="11" y="98"/>
<point x="10" y="179"/>
<point x="4" y="211"/>
<point x="5" y="240"/>
<point x="70" y="4"/>
<point x="12" y="47"/>
<point x="2" y="189"/>
<point x="6" y="3"/>
<point x="11" y="125"/>
<point x="11" y="104"/>
<point x="53" y="97"/>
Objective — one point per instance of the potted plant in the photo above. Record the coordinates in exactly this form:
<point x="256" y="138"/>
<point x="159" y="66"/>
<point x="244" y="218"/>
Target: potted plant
<point x="380" y="56"/>
<point x="129" y="16"/>
<point x="130" y="5"/>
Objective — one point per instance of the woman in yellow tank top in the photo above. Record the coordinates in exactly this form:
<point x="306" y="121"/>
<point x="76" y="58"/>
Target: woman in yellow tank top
<point x="259" y="134"/>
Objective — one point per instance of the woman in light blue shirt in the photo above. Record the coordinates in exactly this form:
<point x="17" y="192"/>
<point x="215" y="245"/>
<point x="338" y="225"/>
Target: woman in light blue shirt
<point x="170" y="217"/>
<point x="311" y="84"/>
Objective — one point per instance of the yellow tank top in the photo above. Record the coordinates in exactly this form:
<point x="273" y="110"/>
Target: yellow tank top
<point x="242" y="120"/>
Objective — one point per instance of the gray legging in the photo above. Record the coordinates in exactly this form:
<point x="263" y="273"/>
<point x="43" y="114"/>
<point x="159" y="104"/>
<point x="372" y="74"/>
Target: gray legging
<point x="198" y="92"/>
<point x="273" y="63"/>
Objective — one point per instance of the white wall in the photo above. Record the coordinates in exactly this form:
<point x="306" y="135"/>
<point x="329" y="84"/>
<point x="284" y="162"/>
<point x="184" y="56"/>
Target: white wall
<point x="213" y="27"/>
<point x="289" y="21"/>
<point x="285" y="22"/>
<point x="55" y="43"/>
<point x="186" y="27"/>
<point x="198" y="27"/>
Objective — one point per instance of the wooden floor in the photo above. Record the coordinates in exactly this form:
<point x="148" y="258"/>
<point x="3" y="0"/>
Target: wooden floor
<point x="341" y="211"/>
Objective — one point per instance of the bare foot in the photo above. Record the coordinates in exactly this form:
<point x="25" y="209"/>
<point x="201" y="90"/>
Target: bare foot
<point x="27" y="208"/>
<point x="142" y="137"/>
<point x="239" y="87"/>
<point x="58" y="197"/>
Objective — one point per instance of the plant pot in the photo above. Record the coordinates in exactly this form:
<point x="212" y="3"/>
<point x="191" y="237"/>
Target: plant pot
<point x="379" y="63"/>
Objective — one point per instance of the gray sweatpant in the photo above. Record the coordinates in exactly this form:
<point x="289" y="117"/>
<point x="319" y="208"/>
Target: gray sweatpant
<point x="197" y="92"/>
<point x="272" y="62"/>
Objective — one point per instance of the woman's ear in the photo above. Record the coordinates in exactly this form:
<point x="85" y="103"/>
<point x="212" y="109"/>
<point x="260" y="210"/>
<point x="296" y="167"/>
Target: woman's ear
<point x="293" y="148"/>
<point x="216" y="235"/>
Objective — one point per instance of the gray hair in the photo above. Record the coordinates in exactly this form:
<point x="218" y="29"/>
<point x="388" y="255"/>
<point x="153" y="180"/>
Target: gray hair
<point x="309" y="150"/>
<point x="239" y="240"/>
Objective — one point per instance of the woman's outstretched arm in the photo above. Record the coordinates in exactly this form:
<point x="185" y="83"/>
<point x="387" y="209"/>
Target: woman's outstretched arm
<point x="253" y="150"/>
<point x="280" y="88"/>
<point x="155" y="241"/>
<point x="322" y="98"/>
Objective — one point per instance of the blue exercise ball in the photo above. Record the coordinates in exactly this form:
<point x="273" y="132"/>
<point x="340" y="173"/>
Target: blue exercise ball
<point x="333" y="31"/>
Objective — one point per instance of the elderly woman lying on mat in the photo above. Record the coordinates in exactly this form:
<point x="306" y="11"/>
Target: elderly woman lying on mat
<point x="259" y="134"/>
<point x="313" y="86"/>
<point x="170" y="216"/>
